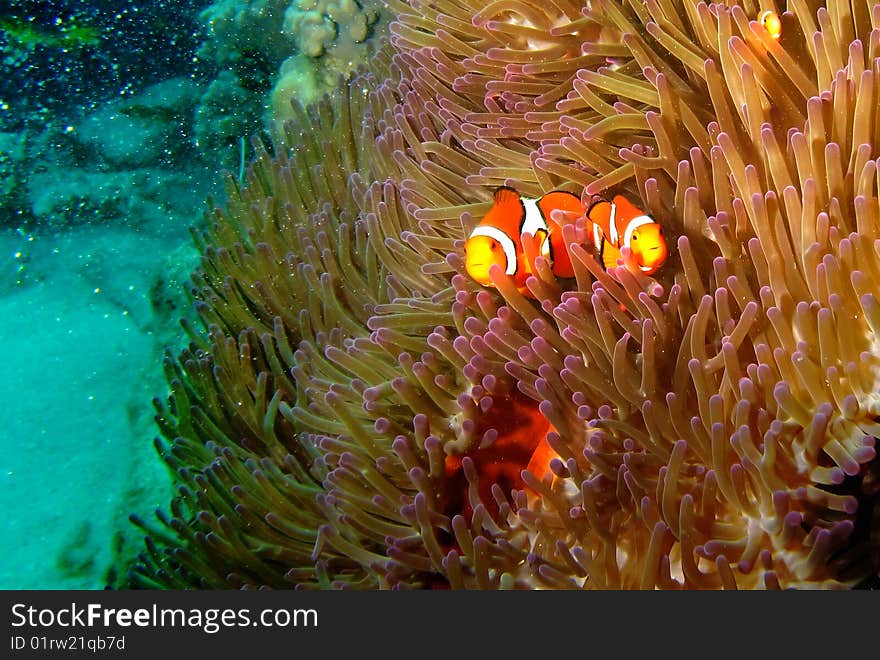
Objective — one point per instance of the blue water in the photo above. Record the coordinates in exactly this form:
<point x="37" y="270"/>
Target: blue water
<point x="140" y="43"/>
<point x="101" y="175"/>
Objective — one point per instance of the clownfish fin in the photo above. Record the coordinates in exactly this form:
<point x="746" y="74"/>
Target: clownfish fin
<point x="534" y="248"/>
<point x="563" y="201"/>
<point x="507" y="197"/>
<point x="543" y="244"/>
<point x="610" y="254"/>
<point x="506" y="215"/>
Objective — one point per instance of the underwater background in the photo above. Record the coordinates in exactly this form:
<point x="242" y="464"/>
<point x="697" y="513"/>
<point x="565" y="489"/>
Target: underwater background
<point x="116" y="119"/>
<point x="333" y="382"/>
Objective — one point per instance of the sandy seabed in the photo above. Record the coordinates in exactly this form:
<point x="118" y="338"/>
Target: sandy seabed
<point x="82" y="361"/>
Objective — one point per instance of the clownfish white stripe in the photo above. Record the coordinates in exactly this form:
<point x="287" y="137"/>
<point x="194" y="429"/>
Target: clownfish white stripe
<point x="634" y="224"/>
<point x="534" y="220"/>
<point x="612" y="225"/>
<point x="504" y="241"/>
<point x="597" y="235"/>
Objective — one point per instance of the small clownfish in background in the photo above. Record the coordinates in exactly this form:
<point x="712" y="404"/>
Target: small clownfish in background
<point x="497" y="239"/>
<point x="618" y="224"/>
<point x="521" y="444"/>
<point x="771" y="22"/>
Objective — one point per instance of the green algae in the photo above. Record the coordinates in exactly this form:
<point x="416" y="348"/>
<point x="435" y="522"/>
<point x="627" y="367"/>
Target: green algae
<point x="29" y="35"/>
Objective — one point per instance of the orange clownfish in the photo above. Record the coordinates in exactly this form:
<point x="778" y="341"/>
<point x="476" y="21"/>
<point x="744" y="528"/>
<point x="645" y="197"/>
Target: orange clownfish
<point x="618" y="224"/>
<point x="771" y="22"/>
<point x="521" y="443"/>
<point x="497" y="239"/>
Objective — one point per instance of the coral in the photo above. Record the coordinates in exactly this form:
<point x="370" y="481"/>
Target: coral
<point x="283" y="48"/>
<point x="318" y="25"/>
<point x="342" y="420"/>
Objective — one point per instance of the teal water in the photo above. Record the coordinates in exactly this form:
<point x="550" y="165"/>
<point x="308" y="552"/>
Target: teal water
<point x="116" y="120"/>
<point x="101" y="175"/>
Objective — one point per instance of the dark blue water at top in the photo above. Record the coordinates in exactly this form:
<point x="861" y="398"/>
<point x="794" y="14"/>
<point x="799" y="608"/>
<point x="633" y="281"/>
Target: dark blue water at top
<point x="139" y="42"/>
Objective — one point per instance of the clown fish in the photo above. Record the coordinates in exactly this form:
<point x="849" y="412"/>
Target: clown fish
<point x="497" y="239"/>
<point x="771" y="22"/>
<point x="521" y="444"/>
<point x="618" y="224"/>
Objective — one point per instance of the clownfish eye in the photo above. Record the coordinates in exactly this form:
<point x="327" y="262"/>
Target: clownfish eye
<point x="635" y="236"/>
<point x="494" y="244"/>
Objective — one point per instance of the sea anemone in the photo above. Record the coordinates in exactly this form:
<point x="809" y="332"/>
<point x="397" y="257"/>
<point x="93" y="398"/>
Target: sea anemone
<point x="346" y="420"/>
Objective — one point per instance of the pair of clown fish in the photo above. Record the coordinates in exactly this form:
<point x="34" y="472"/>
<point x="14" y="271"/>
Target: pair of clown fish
<point x="497" y="239"/>
<point x="616" y="224"/>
